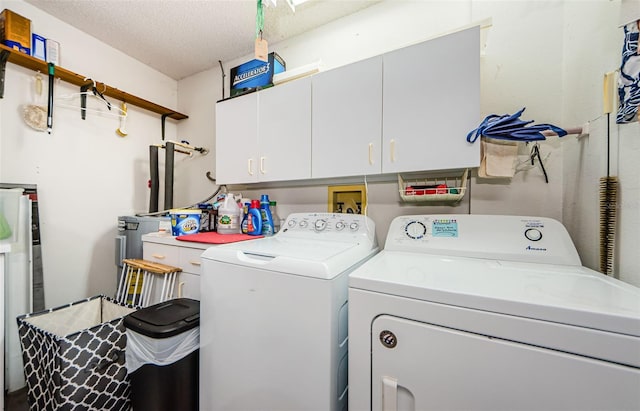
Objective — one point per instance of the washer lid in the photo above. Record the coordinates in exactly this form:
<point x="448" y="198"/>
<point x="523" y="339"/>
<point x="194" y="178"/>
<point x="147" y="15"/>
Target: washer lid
<point x="571" y="295"/>
<point x="311" y="258"/>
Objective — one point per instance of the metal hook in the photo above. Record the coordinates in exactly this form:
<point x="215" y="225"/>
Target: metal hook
<point x="99" y="94"/>
<point x="535" y="152"/>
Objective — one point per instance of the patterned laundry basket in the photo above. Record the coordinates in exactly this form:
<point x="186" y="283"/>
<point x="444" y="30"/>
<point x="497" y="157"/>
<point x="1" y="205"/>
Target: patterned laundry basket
<point x="74" y="356"/>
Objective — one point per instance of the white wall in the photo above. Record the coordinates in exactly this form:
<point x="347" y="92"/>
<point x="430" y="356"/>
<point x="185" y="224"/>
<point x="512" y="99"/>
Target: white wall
<point x="86" y="175"/>
<point x="591" y="51"/>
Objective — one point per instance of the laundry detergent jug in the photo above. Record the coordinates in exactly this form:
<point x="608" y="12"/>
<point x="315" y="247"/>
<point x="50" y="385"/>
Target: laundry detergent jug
<point x="229" y="216"/>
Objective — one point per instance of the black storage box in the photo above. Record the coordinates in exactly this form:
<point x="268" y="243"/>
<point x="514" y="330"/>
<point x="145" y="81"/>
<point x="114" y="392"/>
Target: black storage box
<point x="74" y="356"/>
<point x="163" y="355"/>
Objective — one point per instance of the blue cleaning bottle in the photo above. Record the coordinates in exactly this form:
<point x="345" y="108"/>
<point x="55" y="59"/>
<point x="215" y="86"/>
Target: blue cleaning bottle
<point x="245" y="215"/>
<point x="267" y="218"/>
<point x="254" y="219"/>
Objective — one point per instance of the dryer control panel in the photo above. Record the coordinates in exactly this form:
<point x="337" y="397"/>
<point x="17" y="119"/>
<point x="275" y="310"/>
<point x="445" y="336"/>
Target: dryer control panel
<point x="511" y="238"/>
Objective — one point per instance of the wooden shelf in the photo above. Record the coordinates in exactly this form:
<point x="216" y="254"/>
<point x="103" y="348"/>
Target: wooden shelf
<point x="35" y="64"/>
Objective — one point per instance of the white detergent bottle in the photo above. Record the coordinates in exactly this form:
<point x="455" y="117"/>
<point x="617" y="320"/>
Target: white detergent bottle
<point x="229" y="216"/>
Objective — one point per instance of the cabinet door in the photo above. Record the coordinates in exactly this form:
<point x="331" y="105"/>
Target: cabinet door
<point x="347" y="120"/>
<point x="237" y="140"/>
<point x="284" y="132"/>
<point x="188" y="286"/>
<point x="431" y="101"/>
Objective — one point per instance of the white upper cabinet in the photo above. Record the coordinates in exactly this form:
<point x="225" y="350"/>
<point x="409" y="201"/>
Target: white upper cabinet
<point x="237" y="140"/>
<point x="431" y="100"/>
<point x="347" y="120"/>
<point x="265" y="136"/>
<point x="284" y="131"/>
<point x="407" y="110"/>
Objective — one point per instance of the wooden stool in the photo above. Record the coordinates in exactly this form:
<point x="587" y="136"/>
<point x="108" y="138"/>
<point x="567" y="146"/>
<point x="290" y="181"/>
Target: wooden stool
<point x="138" y="277"/>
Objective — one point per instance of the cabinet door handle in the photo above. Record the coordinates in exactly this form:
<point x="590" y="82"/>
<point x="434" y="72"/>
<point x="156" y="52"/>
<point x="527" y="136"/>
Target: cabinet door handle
<point x="371" y="153"/>
<point x="158" y="256"/>
<point x="180" y="286"/>
<point x="250" y="166"/>
<point x="392" y="149"/>
<point x="195" y="263"/>
<point x="262" y="165"/>
<point x="389" y="394"/>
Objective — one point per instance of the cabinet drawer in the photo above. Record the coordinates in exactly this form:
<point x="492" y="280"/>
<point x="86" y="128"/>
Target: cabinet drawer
<point x="190" y="260"/>
<point x="160" y="253"/>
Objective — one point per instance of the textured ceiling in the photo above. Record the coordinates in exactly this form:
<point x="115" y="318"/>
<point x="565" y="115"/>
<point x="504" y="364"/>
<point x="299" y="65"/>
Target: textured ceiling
<point x="197" y="32"/>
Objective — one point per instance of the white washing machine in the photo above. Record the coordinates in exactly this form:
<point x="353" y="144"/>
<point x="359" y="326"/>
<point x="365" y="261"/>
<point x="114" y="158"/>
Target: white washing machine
<point x="489" y="313"/>
<point x="273" y="320"/>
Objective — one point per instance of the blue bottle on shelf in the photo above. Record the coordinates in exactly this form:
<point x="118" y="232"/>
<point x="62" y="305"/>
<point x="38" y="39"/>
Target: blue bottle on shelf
<point x="254" y="219"/>
<point x="245" y="215"/>
<point x="267" y="218"/>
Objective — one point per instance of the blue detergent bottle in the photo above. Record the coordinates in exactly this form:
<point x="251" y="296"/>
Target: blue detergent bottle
<point x="267" y="218"/>
<point x="254" y="219"/>
<point x="245" y="216"/>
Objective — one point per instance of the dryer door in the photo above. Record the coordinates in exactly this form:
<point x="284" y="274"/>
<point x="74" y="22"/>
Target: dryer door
<point x="420" y="366"/>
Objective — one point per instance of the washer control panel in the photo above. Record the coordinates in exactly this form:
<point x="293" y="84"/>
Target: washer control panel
<point x="514" y="238"/>
<point x="334" y="223"/>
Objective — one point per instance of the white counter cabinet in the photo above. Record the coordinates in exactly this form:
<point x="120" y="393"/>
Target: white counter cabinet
<point x="165" y="249"/>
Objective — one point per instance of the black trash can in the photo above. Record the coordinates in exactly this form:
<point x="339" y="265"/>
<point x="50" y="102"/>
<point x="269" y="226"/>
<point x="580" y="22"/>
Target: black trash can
<point x="162" y="355"/>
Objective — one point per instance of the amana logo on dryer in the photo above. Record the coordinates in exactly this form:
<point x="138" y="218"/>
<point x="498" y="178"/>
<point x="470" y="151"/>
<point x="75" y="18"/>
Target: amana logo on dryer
<point x="529" y="248"/>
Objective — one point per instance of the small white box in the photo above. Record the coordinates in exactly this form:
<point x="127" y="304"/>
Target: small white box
<point x="53" y="52"/>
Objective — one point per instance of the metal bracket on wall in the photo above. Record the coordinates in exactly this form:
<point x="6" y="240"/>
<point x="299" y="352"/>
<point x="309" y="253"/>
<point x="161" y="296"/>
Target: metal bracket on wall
<point x="164" y="117"/>
<point x="4" y="56"/>
<point x="83" y="99"/>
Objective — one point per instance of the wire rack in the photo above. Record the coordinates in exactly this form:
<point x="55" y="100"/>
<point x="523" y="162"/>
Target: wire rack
<point x="432" y="189"/>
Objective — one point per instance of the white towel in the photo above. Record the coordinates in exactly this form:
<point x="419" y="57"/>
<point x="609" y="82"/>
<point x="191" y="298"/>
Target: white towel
<point x="498" y="158"/>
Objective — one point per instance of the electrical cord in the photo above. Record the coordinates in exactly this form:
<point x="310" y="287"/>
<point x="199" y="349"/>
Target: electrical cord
<point x="162" y="212"/>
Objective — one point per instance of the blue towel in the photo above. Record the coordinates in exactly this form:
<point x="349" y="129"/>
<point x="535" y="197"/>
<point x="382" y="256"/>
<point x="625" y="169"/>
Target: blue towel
<point x="510" y="127"/>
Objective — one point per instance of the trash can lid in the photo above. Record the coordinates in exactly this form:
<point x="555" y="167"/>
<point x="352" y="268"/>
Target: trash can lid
<point x="165" y="319"/>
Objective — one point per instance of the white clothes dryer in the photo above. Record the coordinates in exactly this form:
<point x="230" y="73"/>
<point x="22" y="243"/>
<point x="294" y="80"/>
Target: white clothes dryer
<point x="471" y="312"/>
<point x="273" y="320"/>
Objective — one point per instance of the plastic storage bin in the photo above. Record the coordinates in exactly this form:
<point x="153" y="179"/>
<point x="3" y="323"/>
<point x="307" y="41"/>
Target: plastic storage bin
<point x="74" y="356"/>
<point x="163" y="354"/>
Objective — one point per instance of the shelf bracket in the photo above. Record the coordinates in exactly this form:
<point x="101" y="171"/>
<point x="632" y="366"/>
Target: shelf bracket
<point x="4" y="56"/>
<point x="164" y="117"/>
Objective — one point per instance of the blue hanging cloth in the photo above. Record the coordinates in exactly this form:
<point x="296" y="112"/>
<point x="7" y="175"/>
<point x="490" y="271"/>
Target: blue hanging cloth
<point x="628" y="85"/>
<point x="511" y="127"/>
